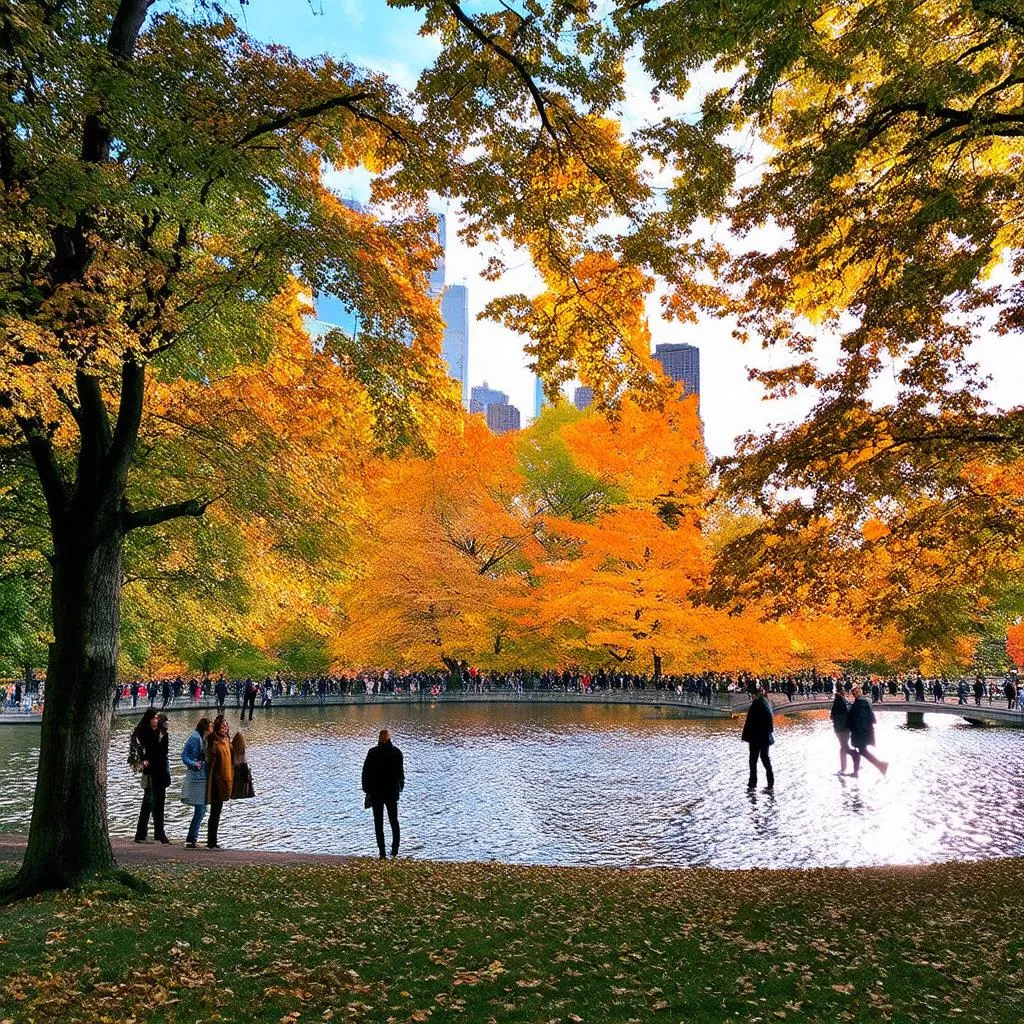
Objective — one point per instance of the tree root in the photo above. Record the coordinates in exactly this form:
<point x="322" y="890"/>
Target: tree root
<point x="26" y="884"/>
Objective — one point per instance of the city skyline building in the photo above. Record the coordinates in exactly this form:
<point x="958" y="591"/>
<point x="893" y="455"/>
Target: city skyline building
<point x="681" y="362"/>
<point x="455" y="343"/>
<point x="333" y="313"/>
<point x="539" y="398"/>
<point x="481" y="396"/>
<point x="582" y="397"/>
<point x="436" y="279"/>
<point x="502" y="417"/>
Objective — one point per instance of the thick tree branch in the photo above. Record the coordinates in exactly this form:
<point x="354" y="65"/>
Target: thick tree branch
<point x="44" y="459"/>
<point x="129" y="417"/>
<point x="92" y="419"/>
<point x="193" y="507"/>
<point x="124" y="34"/>
<point x="349" y="102"/>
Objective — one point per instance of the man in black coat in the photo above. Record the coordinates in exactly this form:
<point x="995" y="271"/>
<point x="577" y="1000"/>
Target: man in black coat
<point x="759" y="732"/>
<point x="383" y="781"/>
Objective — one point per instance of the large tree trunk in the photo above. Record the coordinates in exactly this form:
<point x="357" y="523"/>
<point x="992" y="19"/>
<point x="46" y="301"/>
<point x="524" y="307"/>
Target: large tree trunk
<point x="68" y="839"/>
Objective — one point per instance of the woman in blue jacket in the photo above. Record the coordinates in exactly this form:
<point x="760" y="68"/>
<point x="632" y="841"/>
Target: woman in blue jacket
<point x="193" y="789"/>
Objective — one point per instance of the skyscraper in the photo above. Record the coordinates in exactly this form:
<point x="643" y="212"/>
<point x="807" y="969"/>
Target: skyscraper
<point x="333" y="313"/>
<point x="436" y="279"/>
<point x="455" y="344"/>
<point x="539" y="398"/>
<point x="502" y="417"/>
<point x="482" y="396"/>
<point x="582" y="397"/>
<point x="681" y="362"/>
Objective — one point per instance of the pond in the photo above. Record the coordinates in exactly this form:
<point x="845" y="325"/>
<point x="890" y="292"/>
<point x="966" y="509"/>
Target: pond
<point x="599" y="785"/>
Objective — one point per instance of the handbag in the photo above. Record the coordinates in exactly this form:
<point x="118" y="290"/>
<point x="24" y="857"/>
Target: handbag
<point x="366" y="801"/>
<point x="241" y="786"/>
<point x="771" y="738"/>
<point x="146" y="781"/>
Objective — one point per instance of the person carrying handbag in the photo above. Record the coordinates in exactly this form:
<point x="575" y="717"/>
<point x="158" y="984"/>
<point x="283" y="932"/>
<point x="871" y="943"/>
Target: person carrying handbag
<point x="241" y="785"/>
<point x="147" y="754"/>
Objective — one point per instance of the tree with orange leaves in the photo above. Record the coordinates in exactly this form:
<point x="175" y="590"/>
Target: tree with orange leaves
<point x="443" y="544"/>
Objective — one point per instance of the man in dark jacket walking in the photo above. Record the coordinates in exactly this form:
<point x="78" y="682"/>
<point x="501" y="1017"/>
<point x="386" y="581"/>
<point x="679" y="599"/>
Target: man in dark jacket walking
<point x="759" y="732"/>
<point x="861" y="719"/>
<point x="383" y="781"/>
<point x="838" y="714"/>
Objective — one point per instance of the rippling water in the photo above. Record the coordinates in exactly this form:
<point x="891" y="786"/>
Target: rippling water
<point x="562" y="784"/>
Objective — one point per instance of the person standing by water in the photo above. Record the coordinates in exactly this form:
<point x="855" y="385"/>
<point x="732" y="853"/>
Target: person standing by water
<point x="221" y="692"/>
<point x="759" y="732"/>
<point x="383" y="781"/>
<point x="249" y="699"/>
<point x="241" y="786"/>
<point x="861" y="719"/>
<point x="148" y="753"/>
<point x="219" y="776"/>
<point x="193" y="789"/>
<point x="839" y="714"/>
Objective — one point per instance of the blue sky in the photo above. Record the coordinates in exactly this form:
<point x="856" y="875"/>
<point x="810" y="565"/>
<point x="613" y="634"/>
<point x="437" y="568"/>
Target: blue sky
<point x="367" y="32"/>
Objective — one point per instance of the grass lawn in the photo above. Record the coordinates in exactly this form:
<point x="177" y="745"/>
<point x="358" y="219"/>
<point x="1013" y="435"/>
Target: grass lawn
<point x="421" y="941"/>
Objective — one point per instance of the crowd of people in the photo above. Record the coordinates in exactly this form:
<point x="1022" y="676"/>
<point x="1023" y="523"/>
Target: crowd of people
<point x="709" y="688"/>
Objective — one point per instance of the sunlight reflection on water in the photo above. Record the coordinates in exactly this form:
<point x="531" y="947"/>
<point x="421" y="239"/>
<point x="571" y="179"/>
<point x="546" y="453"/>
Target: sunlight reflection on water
<point x="563" y="784"/>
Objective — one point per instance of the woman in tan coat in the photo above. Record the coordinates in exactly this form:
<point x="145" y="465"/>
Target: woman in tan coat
<point x="219" y="776"/>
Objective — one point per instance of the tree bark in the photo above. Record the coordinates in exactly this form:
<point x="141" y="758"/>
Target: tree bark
<point x="68" y="838"/>
<point x="657" y="669"/>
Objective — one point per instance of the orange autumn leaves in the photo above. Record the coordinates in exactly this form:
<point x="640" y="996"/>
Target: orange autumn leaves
<point x="463" y="556"/>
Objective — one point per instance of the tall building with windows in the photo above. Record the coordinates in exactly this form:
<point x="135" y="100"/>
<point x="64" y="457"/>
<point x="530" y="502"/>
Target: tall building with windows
<point x="539" y="398"/>
<point x="455" y="344"/>
<point x="436" y="279"/>
<point x="582" y="397"/>
<point x="482" y="396"/>
<point x="681" y="362"/>
<point x="501" y="418"/>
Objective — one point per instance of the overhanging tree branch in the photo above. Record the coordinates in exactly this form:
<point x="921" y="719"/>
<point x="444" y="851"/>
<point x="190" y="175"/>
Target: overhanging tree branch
<point x="492" y="44"/>
<point x="44" y="458"/>
<point x="193" y="507"/>
<point x="349" y="102"/>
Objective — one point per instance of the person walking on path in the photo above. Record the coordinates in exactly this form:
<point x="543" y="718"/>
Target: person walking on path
<point x="861" y="719"/>
<point x="839" y="715"/>
<point x="241" y="786"/>
<point x="383" y="781"/>
<point x="148" y="754"/>
<point x="193" y="789"/>
<point x="759" y="732"/>
<point x="221" y="691"/>
<point x="219" y="776"/>
<point x="249" y="700"/>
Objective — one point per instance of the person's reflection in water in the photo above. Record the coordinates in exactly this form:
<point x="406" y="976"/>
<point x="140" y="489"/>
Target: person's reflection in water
<point x="762" y="815"/>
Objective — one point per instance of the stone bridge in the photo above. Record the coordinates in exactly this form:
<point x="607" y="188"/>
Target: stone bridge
<point x="915" y="710"/>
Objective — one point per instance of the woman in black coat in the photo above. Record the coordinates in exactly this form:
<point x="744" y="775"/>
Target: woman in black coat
<point x="149" y="751"/>
<point x="861" y="719"/>
<point x="840" y="714"/>
<point x="759" y="732"/>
